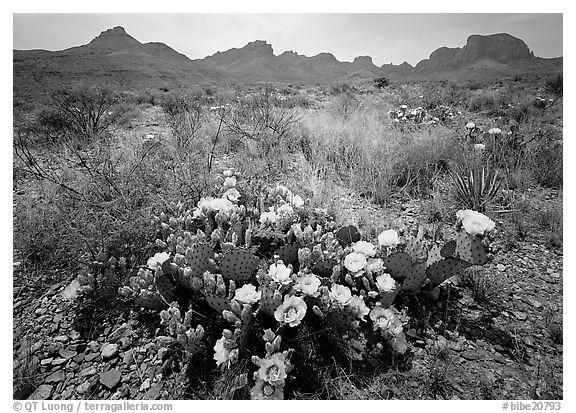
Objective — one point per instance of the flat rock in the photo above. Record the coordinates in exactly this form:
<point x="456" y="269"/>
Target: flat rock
<point x="88" y="371"/>
<point x="125" y="330"/>
<point x="110" y="378"/>
<point x="85" y="387"/>
<point x="94" y="346"/>
<point x="153" y="393"/>
<point x="61" y="339"/>
<point x="43" y="392"/>
<point x="59" y="361"/>
<point x="520" y="315"/>
<point x="67" y="353"/>
<point x="109" y="350"/>
<point x="55" y="377"/>
<point x="91" y="357"/>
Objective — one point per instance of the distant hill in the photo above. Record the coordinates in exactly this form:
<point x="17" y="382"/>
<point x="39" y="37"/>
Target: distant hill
<point x="113" y="58"/>
<point x="116" y="58"/>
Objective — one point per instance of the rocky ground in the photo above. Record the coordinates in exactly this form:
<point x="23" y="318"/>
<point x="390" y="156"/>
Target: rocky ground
<point x="493" y="333"/>
<point x="506" y="345"/>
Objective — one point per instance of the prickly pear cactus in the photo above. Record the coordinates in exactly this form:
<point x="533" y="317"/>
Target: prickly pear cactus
<point x="323" y="268"/>
<point x="398" y="265"/>
<point x="198" y="258"/>
<point x="288" y="254"/>
<point x="387" y="298"/>
<point x="270" y="300"/>
<point x="416" y="249"/>
<point x="445" y="268"/>
<point x="165" y="288"/>
<point x="348" y="235"/>
<point x="340" y="321"/>
<point x="150" y="300"/>
<point x="448" y="250"/>
<point x="471" y="248"/>
<point x="239" y="265"/>
<point x="415" y="280"/>
<point x="217" y="302"/>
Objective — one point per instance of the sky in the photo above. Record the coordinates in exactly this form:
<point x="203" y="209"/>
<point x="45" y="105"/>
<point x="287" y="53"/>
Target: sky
<point x="386" y="37"/>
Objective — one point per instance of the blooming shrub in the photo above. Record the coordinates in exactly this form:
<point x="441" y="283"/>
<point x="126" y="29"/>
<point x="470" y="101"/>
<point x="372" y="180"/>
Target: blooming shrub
<point x="317" y="280"/>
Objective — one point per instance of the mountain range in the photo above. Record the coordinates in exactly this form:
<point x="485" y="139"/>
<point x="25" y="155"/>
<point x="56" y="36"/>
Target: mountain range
<point x="115" y="57"/>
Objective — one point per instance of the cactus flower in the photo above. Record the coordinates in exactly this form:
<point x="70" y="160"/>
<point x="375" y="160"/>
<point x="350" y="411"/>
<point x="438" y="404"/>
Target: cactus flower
<point x="355" y="262"/>
<point x="388" y="238"/>
<point x="386" y="320"/>
<point x="340" y="293"/>
<point x="291" y="311"/>
<point x="158" y="259"/>
<point x="374" y="265"/>
<point x="280" y="273"/>
<point x="221" y="353"/>
<point x="308" y="284"/>
<point x="364" y="247"/>
<point x="359" y="308"/>
<point x="475" y="223"/>
<point x="297" y="201"/>
<point x="230" y="182"/>
<point x="285" y="209"/>
<point x="247" y="294"/>
<point x="272" y="368"/>
<point x="268" y="217"/>
<point x="386" y="283"/>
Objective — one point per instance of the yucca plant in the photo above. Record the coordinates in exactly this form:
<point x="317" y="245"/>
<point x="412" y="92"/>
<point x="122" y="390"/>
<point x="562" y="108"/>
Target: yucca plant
<point x="476" y="186"/>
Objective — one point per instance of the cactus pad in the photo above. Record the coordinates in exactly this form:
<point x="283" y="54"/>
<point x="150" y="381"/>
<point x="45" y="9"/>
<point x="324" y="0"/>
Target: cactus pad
<point x="323" y="268"/>
<point x="239" y="265"/>
<point x="340" y="321"/>
<point x="245" y="332"/>
<point x="448" y="249"/>
<point x="217" y="302"/>
<point x="441" y="270"/>
<point x="152" y="301"/>
<point x="470" y="249"/>
<point x="348" y="235"/>
<point x="199" y="259"/>
<point x="192" y="347"/>
<point x="387" y="298"/>
<point x="269" y="304"/>
<point x="165" y="288"/>
<point x="415" y="280"/>
<point x="288" y="254"/>
<point x="416" y="249"/>
<point x="398" y="265"/>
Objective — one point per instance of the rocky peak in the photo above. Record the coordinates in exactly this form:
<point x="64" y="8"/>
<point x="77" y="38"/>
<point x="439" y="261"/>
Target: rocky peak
<point x="501" y="47"/>
<point x="363" y="61"/>
<point x="113" y="39"/>
<point x="259" y="47"/>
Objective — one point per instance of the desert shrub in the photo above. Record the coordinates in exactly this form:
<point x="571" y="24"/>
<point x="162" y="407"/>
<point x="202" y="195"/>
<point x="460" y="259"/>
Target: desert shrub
<point x="184" y="115"/>
<point x="345" y="104"/>
<point x="484" y="285"/>
<point x="547" y="165"/>
<point x="476" y="187"/>
<point x="482" y="102"/>
<point x="261" y="122"/>
<point x="87" y="112"/>
<point x="381" y="82"/>
<point x="555" y="86"/>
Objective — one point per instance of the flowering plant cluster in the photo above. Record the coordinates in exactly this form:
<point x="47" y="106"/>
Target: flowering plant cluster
<point x="319" y="278"/>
